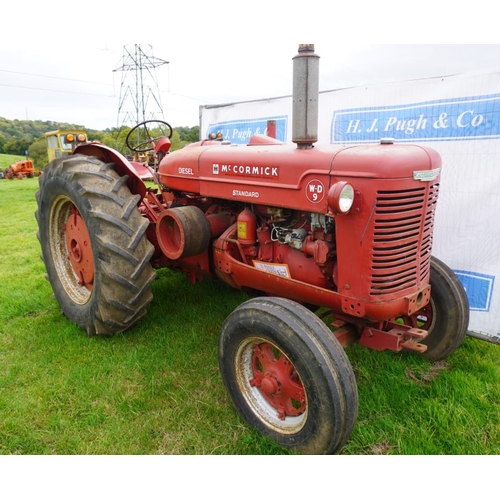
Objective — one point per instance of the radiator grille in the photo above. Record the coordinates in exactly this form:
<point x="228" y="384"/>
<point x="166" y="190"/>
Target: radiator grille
<point x="403" y="224"/>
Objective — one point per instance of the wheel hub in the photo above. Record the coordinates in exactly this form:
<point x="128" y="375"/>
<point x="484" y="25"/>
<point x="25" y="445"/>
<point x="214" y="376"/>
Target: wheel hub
<point x="79" y="248"/>
<point x="269" y="385"/>
<point x="278" y="381"/>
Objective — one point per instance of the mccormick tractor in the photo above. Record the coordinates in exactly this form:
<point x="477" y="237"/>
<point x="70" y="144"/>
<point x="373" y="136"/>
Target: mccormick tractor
<point x="306" y="230"/>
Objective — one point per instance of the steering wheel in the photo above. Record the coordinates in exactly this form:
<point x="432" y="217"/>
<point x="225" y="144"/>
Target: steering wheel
<point x="140" y="138"/>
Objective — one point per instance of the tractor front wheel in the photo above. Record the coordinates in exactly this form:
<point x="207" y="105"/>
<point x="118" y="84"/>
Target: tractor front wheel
<point x="288" y="376"/>
<point x="446" y="316"/>
<point x="94" y="244"/>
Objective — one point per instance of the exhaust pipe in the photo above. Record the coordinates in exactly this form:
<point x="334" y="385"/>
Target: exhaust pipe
<point x="305" y="97"/>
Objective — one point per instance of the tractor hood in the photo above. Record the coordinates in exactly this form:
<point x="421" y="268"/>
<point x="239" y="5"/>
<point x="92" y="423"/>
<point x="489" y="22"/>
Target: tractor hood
<point x="268" y="172"/>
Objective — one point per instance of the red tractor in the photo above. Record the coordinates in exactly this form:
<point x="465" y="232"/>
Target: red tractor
<point x="21" y="169"/>
<point x="306" y="230"/>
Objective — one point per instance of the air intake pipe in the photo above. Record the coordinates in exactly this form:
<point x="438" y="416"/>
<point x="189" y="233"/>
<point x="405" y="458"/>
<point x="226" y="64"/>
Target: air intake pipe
<point x="305" y="97"/>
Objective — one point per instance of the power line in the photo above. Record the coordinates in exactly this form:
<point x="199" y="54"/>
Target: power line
<point x="53" y="90"/>
<point x="53" y="77"/>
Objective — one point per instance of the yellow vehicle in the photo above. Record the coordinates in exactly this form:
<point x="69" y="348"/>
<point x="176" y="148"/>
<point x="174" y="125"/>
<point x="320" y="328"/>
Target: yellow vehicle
<point x="63" y="142"/>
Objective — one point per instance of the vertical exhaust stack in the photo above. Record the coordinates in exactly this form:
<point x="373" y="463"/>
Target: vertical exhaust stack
<point x="305" y="97"/>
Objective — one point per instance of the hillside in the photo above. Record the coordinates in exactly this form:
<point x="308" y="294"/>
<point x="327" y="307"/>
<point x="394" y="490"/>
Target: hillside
<point x="26" y="137"/>
<point x="17" y="135"/>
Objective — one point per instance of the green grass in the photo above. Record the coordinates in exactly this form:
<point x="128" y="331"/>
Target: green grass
<point x="156" y="389"/>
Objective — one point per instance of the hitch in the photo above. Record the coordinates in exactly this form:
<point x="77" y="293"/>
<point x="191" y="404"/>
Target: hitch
<point x="395" y="337"/>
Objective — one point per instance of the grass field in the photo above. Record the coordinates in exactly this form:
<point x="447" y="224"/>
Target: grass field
<point x="156" y="389"/>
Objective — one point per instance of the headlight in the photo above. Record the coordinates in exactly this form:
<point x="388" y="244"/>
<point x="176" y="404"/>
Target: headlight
<point x="341" y="198"/>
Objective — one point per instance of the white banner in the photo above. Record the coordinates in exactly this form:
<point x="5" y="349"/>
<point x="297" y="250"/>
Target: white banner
<point x="459" y="116"/>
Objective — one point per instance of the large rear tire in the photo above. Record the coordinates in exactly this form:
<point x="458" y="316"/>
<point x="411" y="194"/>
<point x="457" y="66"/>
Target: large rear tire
<point x="94" y="244"/>
<point x="288" y="376"/>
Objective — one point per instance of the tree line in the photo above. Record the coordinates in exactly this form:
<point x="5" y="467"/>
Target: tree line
<point x="19" y="136"/>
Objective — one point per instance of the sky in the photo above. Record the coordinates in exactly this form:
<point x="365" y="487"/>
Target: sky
<point x="68" y="68"/>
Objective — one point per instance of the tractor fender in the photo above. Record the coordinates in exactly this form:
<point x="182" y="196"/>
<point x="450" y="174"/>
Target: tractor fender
<point x="122" y="165"/>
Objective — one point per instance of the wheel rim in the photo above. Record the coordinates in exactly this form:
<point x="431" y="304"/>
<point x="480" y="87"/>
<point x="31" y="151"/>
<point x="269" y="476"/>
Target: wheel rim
<point x="423" y="318"/>
<point x="271" y="385"/>
<point x="71" y="250"/>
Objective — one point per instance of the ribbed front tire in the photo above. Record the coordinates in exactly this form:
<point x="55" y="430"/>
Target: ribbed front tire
<point x="288" y="376"/>
<point x="447" y="317"/>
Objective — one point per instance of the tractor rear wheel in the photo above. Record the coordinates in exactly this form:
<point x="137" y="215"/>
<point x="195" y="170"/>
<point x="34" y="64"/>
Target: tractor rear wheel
<point x="446" y="316"/>
<point x="94" y="244"/>
<point x="288" y="376"/>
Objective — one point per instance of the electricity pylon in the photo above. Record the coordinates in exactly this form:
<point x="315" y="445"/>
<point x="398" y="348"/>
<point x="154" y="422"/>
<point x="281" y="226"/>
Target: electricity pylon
<point x="139" y="92"/>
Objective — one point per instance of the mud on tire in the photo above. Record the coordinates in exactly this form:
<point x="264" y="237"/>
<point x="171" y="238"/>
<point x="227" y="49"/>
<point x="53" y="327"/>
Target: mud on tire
<point x="105" y="286"/>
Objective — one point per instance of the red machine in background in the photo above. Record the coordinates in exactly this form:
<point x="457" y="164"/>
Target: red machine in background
<point x="343" y="231"/>
<point x="21" y="169"/>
